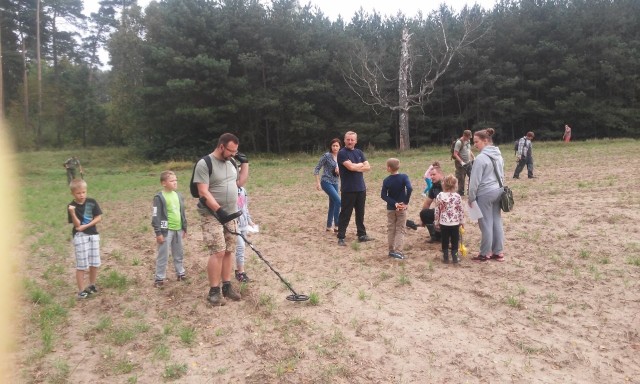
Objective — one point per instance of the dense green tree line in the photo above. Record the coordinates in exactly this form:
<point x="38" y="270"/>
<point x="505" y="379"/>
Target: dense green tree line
<point x="184" y="71"/>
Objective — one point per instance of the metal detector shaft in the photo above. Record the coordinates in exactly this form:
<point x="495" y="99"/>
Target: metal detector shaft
<point x="295" y="296"/>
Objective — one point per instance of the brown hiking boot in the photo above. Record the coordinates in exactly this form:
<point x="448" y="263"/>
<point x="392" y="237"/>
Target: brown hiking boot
<point x="229" y="293"/>
<point x="216" y="299"/>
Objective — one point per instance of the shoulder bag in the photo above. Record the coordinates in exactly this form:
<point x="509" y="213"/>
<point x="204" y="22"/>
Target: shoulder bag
<point x="506" y="199"/>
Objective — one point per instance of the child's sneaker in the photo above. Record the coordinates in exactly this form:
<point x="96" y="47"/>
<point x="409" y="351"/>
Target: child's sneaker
<point x="92" y="289"/>
<point x="182" y="277"/>
<point x="83" y="295"/>
<point x="158" y="283"/>
<point x="242" y="277"/>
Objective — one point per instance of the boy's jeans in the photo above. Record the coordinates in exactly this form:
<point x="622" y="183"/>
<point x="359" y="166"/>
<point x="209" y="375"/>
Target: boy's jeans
<point x="173" y="239"/>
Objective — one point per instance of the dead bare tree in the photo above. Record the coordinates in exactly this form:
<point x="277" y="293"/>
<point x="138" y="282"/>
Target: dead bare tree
<point x="367" y="79"/>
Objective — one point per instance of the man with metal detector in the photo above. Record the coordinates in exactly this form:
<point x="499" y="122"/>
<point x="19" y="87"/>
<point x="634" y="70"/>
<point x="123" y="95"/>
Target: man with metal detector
<point x="218" y="190"/>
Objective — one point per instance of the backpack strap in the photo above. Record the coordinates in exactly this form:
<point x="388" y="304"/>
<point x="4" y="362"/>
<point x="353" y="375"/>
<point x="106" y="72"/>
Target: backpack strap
<point x="495" y="171"/>
<point x="207" y="159"/>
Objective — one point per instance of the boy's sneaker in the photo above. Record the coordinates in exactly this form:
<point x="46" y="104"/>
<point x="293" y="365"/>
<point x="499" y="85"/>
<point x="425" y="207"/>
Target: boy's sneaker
<point x="229" y="293"/>
<point x="216" y="299"/>
<point x="342" y="243"/>
<point x="242" y="277"/>
<point x="83" y="295"/>
<point x="497" y="257"/>
<point x="158" y="283"/>
<point x="92" y="289"/>
<point x="182" y="277"/>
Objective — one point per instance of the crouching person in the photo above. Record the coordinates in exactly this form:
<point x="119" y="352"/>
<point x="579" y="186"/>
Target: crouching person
<point x="427" y="214"/>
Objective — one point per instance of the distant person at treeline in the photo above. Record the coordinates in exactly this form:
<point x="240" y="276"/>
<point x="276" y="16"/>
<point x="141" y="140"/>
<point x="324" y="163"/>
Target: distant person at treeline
<point x="567" y="133"/>
<point x="71" y="164"/>
<point x="524" y="156"/>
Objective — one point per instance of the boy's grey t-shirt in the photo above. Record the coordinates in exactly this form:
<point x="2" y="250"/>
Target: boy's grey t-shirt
<point x="222" y="183"/>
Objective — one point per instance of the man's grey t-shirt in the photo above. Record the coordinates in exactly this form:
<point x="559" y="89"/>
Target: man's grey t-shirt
<point x="222" y="183"/>
<point x="463" y="149"/>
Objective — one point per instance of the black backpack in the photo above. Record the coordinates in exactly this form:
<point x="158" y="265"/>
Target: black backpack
<point x="193" y="187"/>
<point x="453" y="148"/>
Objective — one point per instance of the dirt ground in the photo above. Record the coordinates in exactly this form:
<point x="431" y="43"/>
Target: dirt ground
<point x="563" y="307"/>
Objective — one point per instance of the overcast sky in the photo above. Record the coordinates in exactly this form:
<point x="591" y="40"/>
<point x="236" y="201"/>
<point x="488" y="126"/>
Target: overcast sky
<point x="346" y="8"/>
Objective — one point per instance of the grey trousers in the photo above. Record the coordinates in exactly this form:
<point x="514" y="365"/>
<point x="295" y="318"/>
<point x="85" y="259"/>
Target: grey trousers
<point x="173" y="240"/>
<point x="492" y="241"/>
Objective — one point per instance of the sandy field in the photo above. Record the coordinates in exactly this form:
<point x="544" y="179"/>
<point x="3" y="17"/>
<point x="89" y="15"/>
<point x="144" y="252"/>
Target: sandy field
<point x="563" y="308"/>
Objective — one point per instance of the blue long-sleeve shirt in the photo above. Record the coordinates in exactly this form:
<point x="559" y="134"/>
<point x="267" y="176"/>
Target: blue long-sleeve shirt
<point x="396" y="189"/>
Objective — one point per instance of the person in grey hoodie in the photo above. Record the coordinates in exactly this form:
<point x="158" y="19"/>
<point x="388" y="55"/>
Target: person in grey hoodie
<point x="485" y="191"/>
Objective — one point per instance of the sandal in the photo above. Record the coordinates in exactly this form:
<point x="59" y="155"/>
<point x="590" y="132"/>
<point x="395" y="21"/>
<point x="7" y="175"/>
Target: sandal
<point x="497" y="257"/>
<point x="480" y="258"/>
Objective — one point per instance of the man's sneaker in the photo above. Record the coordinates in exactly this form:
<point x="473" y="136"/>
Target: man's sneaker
<point x="242" y="277"/>
<point x="342" y="243"/>
<point x="182" y="277"/>
<point x="497" y="257"/>
<point x="158" y="283"/>
<point x="83" y="295"/>
<point x="364" y="238"/>
<point x="229" y="293"/>
<point x="480" y="258"/>
<point x="396" y="255"/>
<point x="92" y="289"/>
<point x="216" y="299"/>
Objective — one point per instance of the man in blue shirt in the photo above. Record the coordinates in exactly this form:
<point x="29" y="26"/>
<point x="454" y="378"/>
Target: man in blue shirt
<point x="352" y="164"/>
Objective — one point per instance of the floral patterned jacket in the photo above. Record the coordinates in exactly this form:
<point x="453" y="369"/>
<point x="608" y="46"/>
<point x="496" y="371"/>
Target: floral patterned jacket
<point x="449" y="209"/>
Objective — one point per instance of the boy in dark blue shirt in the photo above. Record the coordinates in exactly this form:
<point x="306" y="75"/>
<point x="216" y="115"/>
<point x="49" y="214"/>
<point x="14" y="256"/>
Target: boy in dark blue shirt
<point x="396" y="191"/>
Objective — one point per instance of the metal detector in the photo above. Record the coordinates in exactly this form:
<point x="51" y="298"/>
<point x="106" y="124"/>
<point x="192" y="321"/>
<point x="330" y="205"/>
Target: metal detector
<point x="294" y="296"/>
